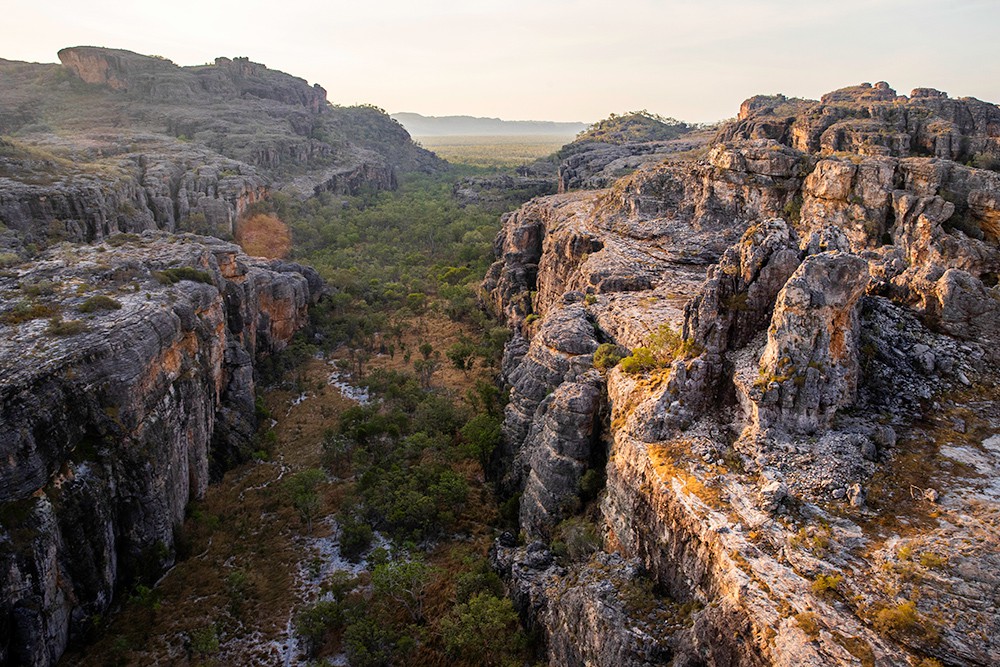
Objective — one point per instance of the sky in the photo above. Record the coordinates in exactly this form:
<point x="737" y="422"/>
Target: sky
<point x="569" y="60"/>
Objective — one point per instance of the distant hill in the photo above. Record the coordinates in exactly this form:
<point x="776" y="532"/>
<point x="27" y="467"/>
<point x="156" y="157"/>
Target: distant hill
<point x="439" y="126"/>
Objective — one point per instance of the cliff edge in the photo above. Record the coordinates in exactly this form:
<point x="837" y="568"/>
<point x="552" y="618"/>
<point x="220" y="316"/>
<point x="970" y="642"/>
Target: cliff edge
<point x="127" y="380"/>
<point x="799" y="442"/>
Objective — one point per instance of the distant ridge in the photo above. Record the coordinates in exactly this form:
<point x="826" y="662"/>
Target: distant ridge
<point x="437" y="126"/>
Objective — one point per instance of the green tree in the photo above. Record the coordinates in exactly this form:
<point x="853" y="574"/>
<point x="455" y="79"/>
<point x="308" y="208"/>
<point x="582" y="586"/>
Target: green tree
<point x="484" y="631"/>
<point x="404" y="582"/>
<point x="482" y="436"/>
<point x="304" y="492"/>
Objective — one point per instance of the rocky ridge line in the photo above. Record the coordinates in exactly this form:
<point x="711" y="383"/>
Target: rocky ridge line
<point x="830" y="308"/>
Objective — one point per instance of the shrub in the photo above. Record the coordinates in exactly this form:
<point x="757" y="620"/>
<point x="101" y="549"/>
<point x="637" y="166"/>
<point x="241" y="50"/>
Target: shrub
<point x="793" y="209"/>
<point x="355" y="537"/>
<point x="807" y="621"/>
<point x="264" y="235"/>
<point x="41" y="288"/>
<point x="608" y="355"/>
<point x="26" y="310"/>
<point x="99" y="302"/>
<point x="315" y="621"/>
<point x="59" y="327"/>
<point x="405" y="583"/>
<point x="640" y="361"/>
<point x="481" y="435"/>
<point x="825" y="583"/>
<point x="932" y="560"/>
<point x="531" y="319"/>
<point x="484" y="631"/>
<point x="576" y="538"/>
<point x="591" y="484"/>
<point x="902" y="617"/>
<point x="205" y="641"/>
<point x="303" y="489"/>
<point x="8" y="259"/>
<point x="175" y="275"/>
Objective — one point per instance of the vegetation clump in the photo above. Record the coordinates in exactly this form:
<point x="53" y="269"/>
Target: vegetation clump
<point x="608" y="355"/>
<point x="100" y="302"/>
<point x="59" y="327"/>
<point x="25" y="311"/>
<point x="826" y="583"/>
<point x="264" y="235"/>
<point x="631" y="127"/>
<point x="664" y="347"/>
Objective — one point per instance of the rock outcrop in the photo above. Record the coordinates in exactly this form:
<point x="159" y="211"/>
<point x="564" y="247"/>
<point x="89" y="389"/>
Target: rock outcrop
<point x="874" y="120"/>
<point x="127" y="379"/>
<point x="813" y="400"/>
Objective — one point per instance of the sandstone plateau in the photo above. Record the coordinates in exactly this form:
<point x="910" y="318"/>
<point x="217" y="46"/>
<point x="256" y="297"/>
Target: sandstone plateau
<point x="809" y="477"/>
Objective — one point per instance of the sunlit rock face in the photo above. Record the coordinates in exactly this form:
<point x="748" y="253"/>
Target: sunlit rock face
<point x="110" y="425"/>
<point x="828" y="408"/>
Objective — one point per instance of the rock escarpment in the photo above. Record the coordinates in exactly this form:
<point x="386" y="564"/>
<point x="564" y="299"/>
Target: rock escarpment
<point x="166" y="188"/>
<point x="804" y="452"/>
<point x="128" y="377"/>
<point x="116" y="141"/>
<point x="874" y="120"/>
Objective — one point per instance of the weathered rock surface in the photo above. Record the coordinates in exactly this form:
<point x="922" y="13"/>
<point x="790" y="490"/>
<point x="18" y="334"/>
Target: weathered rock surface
<point x="595" y="165"/>
<point x="604" y="607"/>
<point x="113" y="416"/>
<point x="115" y="141"/>
<point x="809" y="368"/>
<point x="831" y="407"/>
<point x="874" y="120"/>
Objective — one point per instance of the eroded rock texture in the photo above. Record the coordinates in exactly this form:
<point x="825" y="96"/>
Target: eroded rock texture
<point x="113" y="417"/>
<point x="115" y="141"/>
<point x="809" y="461"/>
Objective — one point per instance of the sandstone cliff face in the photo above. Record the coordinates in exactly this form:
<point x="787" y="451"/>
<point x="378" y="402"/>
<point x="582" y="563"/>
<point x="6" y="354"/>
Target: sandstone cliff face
<point x="112" y="423"/>
<point x="836" y="312"/>
<point x="116" y="141"/>
<point x="166" y="189"/>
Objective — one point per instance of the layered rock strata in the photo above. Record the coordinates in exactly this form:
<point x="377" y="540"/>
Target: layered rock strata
<point x="127" y="378"/>
<point x="808" y="458"/>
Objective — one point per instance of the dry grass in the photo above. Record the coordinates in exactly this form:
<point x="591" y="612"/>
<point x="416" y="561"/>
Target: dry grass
<point x="494" y="151"/>
<point x="668" y="461"/>
<point x="264" y="235"/>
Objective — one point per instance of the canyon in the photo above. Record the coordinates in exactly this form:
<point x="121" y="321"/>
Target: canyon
<point x="757" y="362"/>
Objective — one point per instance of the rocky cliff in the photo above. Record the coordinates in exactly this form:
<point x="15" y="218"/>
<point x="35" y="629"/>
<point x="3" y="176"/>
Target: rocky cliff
<point x="116" y="141"/>
<point x="802" y="442"/>
<point x="127" y="378"/>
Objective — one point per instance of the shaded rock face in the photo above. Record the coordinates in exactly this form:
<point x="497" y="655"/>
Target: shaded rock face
<point x="838" y="319"/>
<point x="563" y="446"/>
<point x="108" y="432"/>
<point x="183" y="190"/>
<point x="595" y="620"/>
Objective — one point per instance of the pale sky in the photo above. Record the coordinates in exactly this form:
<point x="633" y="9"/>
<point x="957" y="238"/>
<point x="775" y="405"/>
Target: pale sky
<point x="575" y="60"/>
